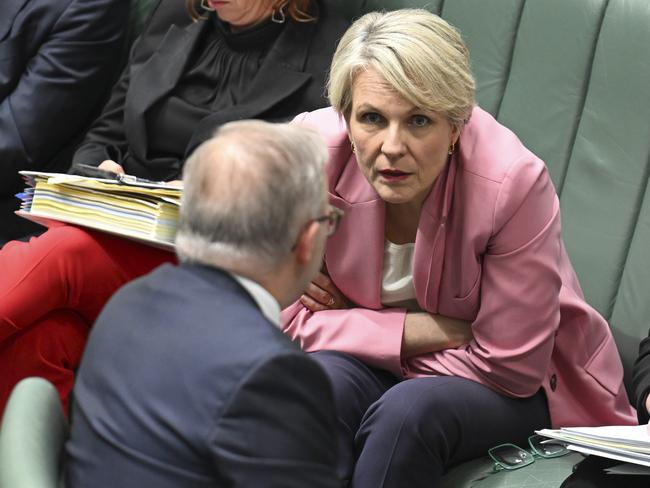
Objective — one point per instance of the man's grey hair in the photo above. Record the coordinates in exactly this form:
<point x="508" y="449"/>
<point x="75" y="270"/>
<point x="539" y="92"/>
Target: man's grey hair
<point x="248" y="191"/>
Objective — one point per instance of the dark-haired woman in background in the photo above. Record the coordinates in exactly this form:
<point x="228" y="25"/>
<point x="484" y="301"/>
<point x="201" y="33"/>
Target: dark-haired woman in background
<point x="241" y="59"/>
<point x="264" y="59"/>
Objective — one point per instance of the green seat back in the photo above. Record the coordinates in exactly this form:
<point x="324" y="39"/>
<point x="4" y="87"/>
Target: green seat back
<point x="604" y="192"/>
<point x="32" y="436"/>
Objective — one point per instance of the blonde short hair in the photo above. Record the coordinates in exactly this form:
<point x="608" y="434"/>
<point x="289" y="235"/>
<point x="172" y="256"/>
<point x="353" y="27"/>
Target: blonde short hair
<point x="418" y="53"/>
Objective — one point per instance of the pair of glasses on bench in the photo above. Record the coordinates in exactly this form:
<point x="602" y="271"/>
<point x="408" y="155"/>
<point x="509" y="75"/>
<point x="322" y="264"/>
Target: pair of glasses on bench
<point x="509" y="456"/>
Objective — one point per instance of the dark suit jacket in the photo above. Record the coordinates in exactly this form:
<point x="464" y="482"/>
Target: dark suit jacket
<point x="57" y="61"/>
<point x="184" y="383"/>
<point x="641" y="380"/>
<point x="291" y="80"/>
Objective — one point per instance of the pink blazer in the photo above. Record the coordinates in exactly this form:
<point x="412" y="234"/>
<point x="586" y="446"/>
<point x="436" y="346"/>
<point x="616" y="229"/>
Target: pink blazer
<point x="488" y="249"/>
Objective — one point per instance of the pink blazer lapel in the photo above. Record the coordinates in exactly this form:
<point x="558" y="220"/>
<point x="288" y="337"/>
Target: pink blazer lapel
<point x="430" y="241"/>
<point x="357" y="247"/>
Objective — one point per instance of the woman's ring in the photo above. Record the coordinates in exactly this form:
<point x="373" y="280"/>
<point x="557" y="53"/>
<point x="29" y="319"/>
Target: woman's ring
<point x="330" y="302"/>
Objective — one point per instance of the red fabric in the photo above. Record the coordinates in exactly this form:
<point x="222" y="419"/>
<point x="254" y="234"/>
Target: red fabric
<point x="51" y="348"/>
<point x="51" y="291"/>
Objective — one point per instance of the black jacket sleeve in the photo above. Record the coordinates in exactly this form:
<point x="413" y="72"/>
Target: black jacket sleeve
<point x="641" y="380"/>
<point x="277" y="431"/>
<point x="65" y="59"/>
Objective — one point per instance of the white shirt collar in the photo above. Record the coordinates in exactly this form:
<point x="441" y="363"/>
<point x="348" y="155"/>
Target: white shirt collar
<point x="268" y="305"/>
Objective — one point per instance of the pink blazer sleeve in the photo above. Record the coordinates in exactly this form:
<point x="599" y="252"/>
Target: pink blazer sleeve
<point x="373" y="336"/>
<point x="519" y="312"/>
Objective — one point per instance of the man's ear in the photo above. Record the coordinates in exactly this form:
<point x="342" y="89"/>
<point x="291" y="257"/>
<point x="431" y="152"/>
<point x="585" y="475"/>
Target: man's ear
<point x="307" y="243"/>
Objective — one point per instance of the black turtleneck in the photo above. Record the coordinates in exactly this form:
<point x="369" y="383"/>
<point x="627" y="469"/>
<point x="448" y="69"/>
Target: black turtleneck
<point x="218" y="72"/>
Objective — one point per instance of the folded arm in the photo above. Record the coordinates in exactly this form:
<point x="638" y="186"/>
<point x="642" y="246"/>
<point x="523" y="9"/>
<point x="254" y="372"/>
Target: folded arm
<point x="514" y="330"/>
<point x="426" y="333"/>
<point x="387" y="339"/>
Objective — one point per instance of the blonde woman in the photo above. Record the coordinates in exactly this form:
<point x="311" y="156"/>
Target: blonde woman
<point x="448" y="318"/>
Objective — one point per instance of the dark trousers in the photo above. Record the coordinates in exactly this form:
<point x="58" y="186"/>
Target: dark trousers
<point x="395" y="433"/>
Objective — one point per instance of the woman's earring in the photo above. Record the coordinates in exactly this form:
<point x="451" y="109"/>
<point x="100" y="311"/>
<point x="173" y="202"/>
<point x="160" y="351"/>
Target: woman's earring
<point x="278" y="15"/>
<point x="205" y="6"/>
<point x="354" y="148"/>
<point x="451" y="148"/>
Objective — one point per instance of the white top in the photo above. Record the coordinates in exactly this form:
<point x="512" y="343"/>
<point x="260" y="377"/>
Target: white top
<point x="397" y="279"/>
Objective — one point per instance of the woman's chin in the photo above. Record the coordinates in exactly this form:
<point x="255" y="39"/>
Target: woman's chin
<point x="395" y="197"/>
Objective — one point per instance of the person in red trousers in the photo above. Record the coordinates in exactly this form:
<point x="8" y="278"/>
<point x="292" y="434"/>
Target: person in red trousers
<point x="51" y="290"/>
<point x="241" y="59"/>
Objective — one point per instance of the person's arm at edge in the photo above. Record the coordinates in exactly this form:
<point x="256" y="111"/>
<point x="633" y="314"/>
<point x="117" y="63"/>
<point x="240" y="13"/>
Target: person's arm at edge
<point x="641" y="381"/>
<point x="71" y="69"/>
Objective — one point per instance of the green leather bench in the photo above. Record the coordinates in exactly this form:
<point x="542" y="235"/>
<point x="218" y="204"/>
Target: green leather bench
<point x="572" y="79"/>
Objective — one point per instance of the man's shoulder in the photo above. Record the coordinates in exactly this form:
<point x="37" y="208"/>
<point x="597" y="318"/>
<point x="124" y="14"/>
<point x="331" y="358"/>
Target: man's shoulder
<point x="206" y="304"/>
<point x="183" y="279"/>
<point x="215" y="308"/>
<point x="200" y="318"/>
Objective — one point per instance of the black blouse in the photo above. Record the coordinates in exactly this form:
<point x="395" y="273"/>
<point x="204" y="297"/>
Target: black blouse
<point x="220" y="69"/>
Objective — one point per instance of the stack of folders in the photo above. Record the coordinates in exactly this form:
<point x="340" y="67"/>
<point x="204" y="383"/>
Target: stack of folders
<point x="628" y="443"/>
<point x="141" y="211"/>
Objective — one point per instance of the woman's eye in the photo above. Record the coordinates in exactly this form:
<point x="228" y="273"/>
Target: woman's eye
<point x="420" y="121"/>
<point x="371" y="118"/>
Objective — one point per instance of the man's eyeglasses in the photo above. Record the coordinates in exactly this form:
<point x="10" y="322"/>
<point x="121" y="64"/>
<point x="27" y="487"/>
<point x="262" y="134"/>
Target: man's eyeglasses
<point x="509" y="456"/>
<point x="332" y="219"/>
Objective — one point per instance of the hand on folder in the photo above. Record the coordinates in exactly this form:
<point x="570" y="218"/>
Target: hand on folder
<point x="110" y="170"/>
<point x="112" y="166"/>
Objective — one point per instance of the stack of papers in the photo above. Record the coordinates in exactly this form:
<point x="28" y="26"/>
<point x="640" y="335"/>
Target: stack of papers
<point x="144" y="212"/>
<point x="629" y="443"/>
